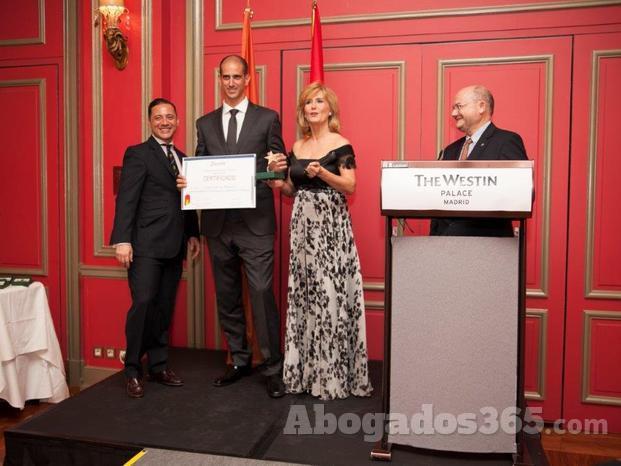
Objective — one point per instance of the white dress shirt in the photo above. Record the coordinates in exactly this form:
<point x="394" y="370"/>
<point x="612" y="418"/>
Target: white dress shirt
<point x="476" y="136"/>
<point x="242" y="108"/>
<point x="172" y="148"/>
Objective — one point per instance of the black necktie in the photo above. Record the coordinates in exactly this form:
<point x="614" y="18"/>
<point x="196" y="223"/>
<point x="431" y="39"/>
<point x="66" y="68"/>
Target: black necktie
<point x="231" y="135"/>
<point x="171" y="159"/>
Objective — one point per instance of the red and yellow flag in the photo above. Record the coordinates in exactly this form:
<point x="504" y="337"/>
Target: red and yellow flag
<point x="316" y="69"/>
<point x="247" y="52"/>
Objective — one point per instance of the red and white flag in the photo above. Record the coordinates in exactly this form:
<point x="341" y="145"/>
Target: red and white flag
<point x="316" y="69"/>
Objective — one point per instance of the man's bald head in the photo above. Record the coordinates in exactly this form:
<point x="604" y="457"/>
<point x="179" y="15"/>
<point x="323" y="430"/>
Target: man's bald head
<point x="234" y="59"/>
<point x="472" y="108"/>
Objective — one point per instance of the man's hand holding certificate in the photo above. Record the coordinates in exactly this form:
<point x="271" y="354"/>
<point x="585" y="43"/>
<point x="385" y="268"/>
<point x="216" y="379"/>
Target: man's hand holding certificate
<point x="218" y="182"/>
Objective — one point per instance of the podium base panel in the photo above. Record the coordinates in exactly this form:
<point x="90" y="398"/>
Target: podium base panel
<point x="454" y="343"/>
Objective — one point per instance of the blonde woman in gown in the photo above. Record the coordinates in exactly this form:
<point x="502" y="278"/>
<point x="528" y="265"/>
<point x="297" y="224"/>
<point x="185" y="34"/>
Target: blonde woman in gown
<point x="325" y="341"/>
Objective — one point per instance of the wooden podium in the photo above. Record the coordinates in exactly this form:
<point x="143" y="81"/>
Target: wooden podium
<point x="453" y="375"/>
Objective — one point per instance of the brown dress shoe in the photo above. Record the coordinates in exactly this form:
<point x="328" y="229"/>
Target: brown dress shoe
<point x="135" y="388"/>
<point x="167" y="377"/>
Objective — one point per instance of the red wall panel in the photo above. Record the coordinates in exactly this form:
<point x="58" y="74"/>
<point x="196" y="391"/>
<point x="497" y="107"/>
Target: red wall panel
<point x="531" y="381"/>
<point x="103" y="325"/>
<point x="114" y="115"/>
<point x="32" y="30"/>
<point x="606" y="247"/>
<point x="104" y="304"/>
<point x="21" y="246"/>
<point x="527" y="102"/>
<point x="605" y="353"/>
<point x="299" y="11"/>
<point x="592" y="387"/>
<point x="530" y="80"/>
<point x="23" y="24"/>
<point x="31" y="237"/>
<point x="373" y="118"/>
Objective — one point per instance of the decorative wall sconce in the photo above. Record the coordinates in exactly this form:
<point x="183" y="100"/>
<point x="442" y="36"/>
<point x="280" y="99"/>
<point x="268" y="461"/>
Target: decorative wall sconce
<point x="110" y="13"/>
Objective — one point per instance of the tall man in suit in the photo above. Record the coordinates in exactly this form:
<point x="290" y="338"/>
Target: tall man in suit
<point x="237" y="236"/>
<point x="150" y="234"/>
<point x="472" y="111"/>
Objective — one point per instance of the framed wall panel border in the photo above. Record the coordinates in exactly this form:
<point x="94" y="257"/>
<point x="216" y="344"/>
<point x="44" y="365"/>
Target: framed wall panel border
<point x="40" y="39"/>
<point x="373" y="286"/>
<point x="542" y="316"/>
<point x="99" y="246"/>
<point x="589" y="317"/>
<point x="374" y="305"/>
<point x="92" y="375"/>
<point x="40" y="84"/>
<point x="98" y="271"/>
<point x="72" y="193"/>
<point x="101" y="249"/>
<point x="589" y="290"/>
<point x="146" y="65"/>
<point x="194" y="109"/>
<point x="371" y="65"/>
<point x="400" y="66"/>
<point x="220" y="25"/>
<point x="548" y="61"/>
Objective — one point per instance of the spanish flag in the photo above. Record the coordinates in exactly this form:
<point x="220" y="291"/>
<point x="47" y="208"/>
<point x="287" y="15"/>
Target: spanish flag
<point x="316" y="70"/>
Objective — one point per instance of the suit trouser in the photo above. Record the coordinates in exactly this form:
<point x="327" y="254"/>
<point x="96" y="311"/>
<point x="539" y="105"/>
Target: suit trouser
<point x="236" y="245"/>
<point x="153" y="285"/>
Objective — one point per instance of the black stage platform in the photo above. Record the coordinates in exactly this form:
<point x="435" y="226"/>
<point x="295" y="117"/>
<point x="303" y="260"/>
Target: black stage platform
<point x="102" y="426"/>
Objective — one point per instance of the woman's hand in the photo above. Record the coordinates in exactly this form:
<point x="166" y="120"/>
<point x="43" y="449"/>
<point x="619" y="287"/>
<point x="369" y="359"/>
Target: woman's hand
<point x="313" y="169"/>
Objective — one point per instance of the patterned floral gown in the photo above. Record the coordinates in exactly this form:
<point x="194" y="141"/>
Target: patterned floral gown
<point x="325" y="341"/>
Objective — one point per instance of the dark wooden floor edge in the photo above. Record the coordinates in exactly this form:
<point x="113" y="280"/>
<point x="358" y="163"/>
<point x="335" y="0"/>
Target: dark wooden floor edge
<point x="534" y="450"/>
<point x="260" y="448"/>
<point x="23" y="441"/>
<point x="452" y="454"/>
<point x="38" y="436"/>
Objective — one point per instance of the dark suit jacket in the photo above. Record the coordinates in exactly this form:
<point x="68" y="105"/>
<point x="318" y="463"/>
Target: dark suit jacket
<point x="494" y="144"/>
<point x="259" y="134"/>
<point x="148" y="205"/>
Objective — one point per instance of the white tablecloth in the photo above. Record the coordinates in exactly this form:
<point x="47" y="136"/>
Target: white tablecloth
<point x="31" y="364"/>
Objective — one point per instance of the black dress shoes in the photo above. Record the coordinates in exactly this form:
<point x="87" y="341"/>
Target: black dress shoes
<point x="167" y="377"/>
<point x="275" y="386"/>
<point x="134" y="388"/>
<point x="232" y="375"/>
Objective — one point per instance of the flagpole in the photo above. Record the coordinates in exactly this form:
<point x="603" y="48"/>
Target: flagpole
<point x="316" y="65"/>
<point x="247" y="52"/>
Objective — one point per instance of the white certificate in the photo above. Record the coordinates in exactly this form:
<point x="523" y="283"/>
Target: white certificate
<point x="219" y="182"/>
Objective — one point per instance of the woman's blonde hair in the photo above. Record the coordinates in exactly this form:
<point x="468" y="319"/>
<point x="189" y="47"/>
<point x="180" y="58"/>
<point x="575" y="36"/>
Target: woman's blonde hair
<point x="307" y="93"/>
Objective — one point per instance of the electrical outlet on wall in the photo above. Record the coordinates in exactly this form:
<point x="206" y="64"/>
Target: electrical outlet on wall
<point x="110" y="353"/>
<point x="122" y="356"/>
<point x="97" y="352"/>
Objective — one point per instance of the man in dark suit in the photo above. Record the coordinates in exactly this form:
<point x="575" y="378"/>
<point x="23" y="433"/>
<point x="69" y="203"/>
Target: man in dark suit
<point x="150" y="234"/>
<point x="472" y="111"/>
<point x="237" y="236"/>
